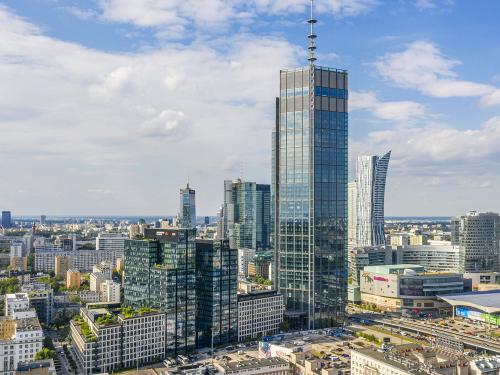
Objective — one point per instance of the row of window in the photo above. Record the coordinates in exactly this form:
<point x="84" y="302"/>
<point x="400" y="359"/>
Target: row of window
<point x="318" y="91"/>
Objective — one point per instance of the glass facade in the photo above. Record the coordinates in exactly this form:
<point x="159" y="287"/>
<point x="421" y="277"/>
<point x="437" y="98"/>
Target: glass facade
<point x="263" y="215"/>
<point x="187" y="209"/>
<point x="216" y="292"/>
<point x="310" y="193"/>
<point x="160" y="274"/>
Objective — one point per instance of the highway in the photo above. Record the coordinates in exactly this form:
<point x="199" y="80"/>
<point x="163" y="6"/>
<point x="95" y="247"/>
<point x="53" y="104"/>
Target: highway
<point x="488" y="345"/>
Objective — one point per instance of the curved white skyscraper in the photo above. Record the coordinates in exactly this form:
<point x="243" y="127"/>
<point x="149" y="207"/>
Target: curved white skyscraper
<point x="371" y="177"/>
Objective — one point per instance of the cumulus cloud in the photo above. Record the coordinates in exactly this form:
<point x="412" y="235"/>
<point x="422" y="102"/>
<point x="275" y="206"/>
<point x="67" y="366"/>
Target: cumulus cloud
<point x="121" y="118"/>
<point x="422" y="66"/>
<point x="398" y="111"/>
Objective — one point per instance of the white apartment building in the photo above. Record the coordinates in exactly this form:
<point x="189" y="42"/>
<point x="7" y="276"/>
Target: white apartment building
<point x="110" y="292"/>
<point x="17" y="301"/>
<point x="95" y="280"/>
<point x="83" y="260"/>
<point x="21" y="337"/>
<point x="106" y="340"/>
<point x="114" y="242"/>
<point x="259" y="313"/>
<point x="106" y="268"/>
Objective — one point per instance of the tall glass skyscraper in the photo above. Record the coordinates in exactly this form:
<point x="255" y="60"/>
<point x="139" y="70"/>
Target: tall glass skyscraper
<point x="310" y="194"/>
<point x="187" y="208"/>
<point x="160" y="274"/>
<point x="263" y="215"/>
<point x="370" y="186"/>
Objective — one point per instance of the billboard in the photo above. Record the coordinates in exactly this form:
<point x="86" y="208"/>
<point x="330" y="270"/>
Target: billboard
<point x="465" y="312"/>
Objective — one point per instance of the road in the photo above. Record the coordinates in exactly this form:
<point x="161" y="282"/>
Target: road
<point x="468" y="340"/>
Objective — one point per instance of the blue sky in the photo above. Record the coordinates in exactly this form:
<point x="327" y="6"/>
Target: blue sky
<point x="109" y="106"/>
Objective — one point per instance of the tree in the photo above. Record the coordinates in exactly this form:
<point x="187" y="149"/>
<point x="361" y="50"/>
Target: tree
<point x="45" y="354"/>
<point x="9" y="285"/>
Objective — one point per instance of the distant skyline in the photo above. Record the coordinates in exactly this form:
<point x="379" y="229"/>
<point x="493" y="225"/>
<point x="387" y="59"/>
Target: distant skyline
<point x="108" y="107"/>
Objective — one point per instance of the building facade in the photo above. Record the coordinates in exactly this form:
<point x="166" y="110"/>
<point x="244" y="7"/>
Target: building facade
<point x="259" y="314"/>
<point x="263" y="216"/>
<point x="160" y="274"/>
<point x="370" y="186"/>
<point x="216" y="292"/>
<point x="310" y="192"/>
<point x="479" y="241"/>
<point x="407" y="288"/>
<point x="6" y="219"/>
<point x="108" y="340"/>
<point x="240" y="214"/>
<point x="62" y="263"/>
<point x="187" y="208"/>
<point x="111" y="242"/>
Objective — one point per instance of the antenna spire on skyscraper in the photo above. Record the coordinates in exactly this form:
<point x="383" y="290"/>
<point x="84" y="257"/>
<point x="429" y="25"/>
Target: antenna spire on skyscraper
<point x="312" y="36"/>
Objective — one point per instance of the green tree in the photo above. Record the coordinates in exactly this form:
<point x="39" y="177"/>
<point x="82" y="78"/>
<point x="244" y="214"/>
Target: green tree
<point x="45" y="354"/>
<point x="9" y="285"/>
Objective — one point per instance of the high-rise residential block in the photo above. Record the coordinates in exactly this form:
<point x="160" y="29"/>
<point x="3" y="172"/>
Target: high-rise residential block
<point x="6" y="219"/>
<point x="216" y="292"/>
<point x="240" y="214"/>
<point x="73" y="279"/>
<point x="310" y="193"/>
<point x="187" y="208"/>
<point x="111" y="242"/>
<point x="62" y="263"/>
<point x="110" y="291"/>
<point x="370" y="185"/>
<point x="160" y="274"/>
<point x="479" y="241"/>
<point x="352" y="211"/>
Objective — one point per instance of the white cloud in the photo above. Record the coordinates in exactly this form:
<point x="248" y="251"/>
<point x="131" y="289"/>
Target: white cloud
<point x="423" y="67"/>
<point x="171" y="18"/>
<point x="398" y="111"/>
<point x="433" y="4"/>
<point x="127" y="120"/>
<point x="492" y="99"/>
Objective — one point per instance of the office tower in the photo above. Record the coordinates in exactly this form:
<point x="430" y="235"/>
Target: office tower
<point x="216" y="292"/>
<point x="62" y="263"/>
<point x="352" y="210"/>
<point x="160" y="274"/>
<point x="240" y="214"/>
<point x="113" y="242"/>
<point x="43" y="219"/>
<point x="207" y="220"/>
<point x="310" y="192"/>
<point x="6" y="219"/>
<point x="187" y="209"/>
<point x="479" y="241"/>
<point x="263" y="215"/>
<point x="371" y="176"/>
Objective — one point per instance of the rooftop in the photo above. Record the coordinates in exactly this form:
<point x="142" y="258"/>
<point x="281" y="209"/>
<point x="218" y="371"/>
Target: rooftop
<point x="393" y="268"/>
<point x="252" y="364"/>
<point x="488" y="301"/>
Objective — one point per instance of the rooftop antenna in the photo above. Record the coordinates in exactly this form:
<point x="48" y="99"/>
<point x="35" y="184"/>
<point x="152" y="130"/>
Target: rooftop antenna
<point x="312" y="36"/>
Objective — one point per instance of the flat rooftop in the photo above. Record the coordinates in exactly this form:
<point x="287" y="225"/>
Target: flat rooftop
<point x="251" y="364"/>
<point x="393" y="268"/>
<point x="488" y="301"/>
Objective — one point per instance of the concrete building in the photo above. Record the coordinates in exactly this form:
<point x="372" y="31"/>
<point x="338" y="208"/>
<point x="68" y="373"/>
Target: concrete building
<point x="479" y="241"/>
<point x="407" y="359"/>
<point x="407" y="288"/>
<point x="43" y="367"/>
<point x="16" y="301"/>
<point x="95" y="280"/>
<point x="6" y="219"/>
<point x="21" y="337"/>
<point x="107" y="340"/>
<point x="438" y="257"/>
<point x="18" y="263"/>
<point x="111" y="242"/>
<point x="83" y="260"/>
<point x="257" y="366"/>
<point x="73" y="279"/>
<point x="110" y="292"/>
<point x="370" y="185"/>
<point x="42" y="300"/>
<point x="62" y="263"/>
<point x="259" y="313"/>
<point x="105" y="268"/>
<point x="245" y="256"/>
<point x="352" y="214"/>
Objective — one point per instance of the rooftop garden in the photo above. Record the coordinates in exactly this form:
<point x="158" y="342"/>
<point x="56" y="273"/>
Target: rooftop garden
<point x="128" y="312"/>
<point x="106" y="320"/>
<point x="87" y="334"/>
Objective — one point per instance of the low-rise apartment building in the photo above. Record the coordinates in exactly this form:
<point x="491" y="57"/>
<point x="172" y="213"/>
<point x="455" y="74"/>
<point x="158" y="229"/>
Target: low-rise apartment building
<point x="107" y="340"/>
